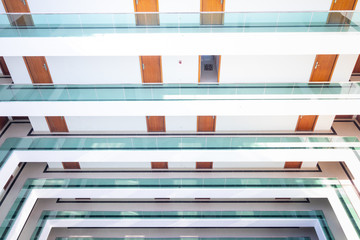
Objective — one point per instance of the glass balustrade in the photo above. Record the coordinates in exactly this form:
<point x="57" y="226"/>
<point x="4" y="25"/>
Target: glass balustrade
<point x="179" y="92"/>
<point x="219" y="215"/>
<point x="176" y="183"/>
<point x="94" y="24"/>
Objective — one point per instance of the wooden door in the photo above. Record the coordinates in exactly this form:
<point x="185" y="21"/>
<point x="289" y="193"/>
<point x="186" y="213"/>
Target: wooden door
<point x="204" y="165"/>
<point x="212" y="6"/>
<point x="159" y="165"/>
<point x="357" y="66"/>
<point x="71" y="165"/>
<point x="155" y="123"/>
<point x="323" y="68"/>
<point x="3" y="67"/>
<point x="151" y="6"/>
<point x="57" y="124"/>
<point x="3" y="122"/>
<point x="38" y="69"/>
<point x="18" y="6"/>
<point x="341" y="5"/>
<point x="292" y="164"/>
<point x="151" y="69"/>
<point x="306" y="122"/>
<point x="206" y="123"/>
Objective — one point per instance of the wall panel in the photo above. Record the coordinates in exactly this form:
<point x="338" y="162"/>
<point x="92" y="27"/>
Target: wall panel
<point x="277" y="5"/>
<point x="184" y="72"/>
<point x="266" y="68"/>
<point x="18" y="70"/>
<point x="324" y="122"/>
<point x="180" y="124"/>
<point x="39" y="124"/>
<point x="94" y="70"/>
<point x="344" y="67"/>
<point x="256" y="123"/>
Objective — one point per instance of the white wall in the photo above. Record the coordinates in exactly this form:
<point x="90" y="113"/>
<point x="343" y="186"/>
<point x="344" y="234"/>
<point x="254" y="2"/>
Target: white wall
<point x="125" y="124"/>
<point x="81" y="6"/>
<point x="324" y="122"/>
<point x="39" y="124"/>
<point x="186" y="72"/>
<point x="181" y="124"/>
<point x="256" y="123"/>
<point x="266" y="68"/>
<point x="276" y="5"/>
<point x="97" y="70"/>
<point x="18" y="70"/>
<point x="344" y="67"/>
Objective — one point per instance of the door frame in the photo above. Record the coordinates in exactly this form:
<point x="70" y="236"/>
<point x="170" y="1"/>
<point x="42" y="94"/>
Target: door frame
<point x="313" y="127"/>
<point x="218" y="70"/>
<point x="332" y="70"/>
<point x="142" y="73"/>
<point x="29" y="71"/>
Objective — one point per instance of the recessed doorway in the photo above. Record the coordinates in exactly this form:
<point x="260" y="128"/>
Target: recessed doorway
<point x="209" y="68"/>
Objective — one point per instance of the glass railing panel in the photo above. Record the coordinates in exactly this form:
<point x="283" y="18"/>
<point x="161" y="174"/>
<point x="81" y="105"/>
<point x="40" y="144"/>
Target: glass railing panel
<point x="169" y="92"/>
<point x="186" y="238"/>
<point x="92" y="24"/>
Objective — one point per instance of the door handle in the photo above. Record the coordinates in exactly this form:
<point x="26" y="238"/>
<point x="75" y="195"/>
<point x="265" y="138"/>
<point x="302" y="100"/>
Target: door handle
<point x="334" y="1"/>
<point x="24" y="2"/>
<point x="213" y="117"/>
<point x="221" y="1"/>
<point x="143" y="66"/>
<point x="137" y="2"/>
<point x="45" y="67"/>
<point x="317" y="65"/>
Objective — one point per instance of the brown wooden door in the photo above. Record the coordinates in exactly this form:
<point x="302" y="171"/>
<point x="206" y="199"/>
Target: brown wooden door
<point x="18" y="6"/>
<point x="341" y="5"/>
<point x="212" y="6"/>
<point x="3" y="67"/>
<point x="151" y="6"/>
<point x="357" y="66"/>
<point x="159" y="165"/>
<point x="57" y="124"/>
<point x="71" y="165"/>
<point x="338" y="5"/>
<point x="306" y="122"/>
<point x="38" y="69"/>
<point x="204" y="165"/>
<point x="155" y="123"/>
<point x="3" y="122"/>
<point x="292" y="164"/>
<point x="151" y="69"/>
<point x="206" y="123"/>
<point x="323" y="68"/>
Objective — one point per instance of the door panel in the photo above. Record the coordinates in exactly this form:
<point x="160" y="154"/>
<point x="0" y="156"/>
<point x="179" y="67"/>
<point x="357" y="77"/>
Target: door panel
<point x="18" y="6"/>
<point x="292" y="164"/>
<point x="159" y="165"/>
<point x="38" y="69"/>
<point x="3" y="122"/>
<point x="71" y="165"/>
<point x="151" y="6"/>
<point x="155" y="123"/>
<point x="306" y="122"/>
<point x="341" y="5"/>
<point x="204" y="165"/>
<point x="212" y="6"/>
<point x="3" y="67"/>
<point x="151" y="69"/>
<point x="357" y="66"/>
<point x="338" y="5"/>
<point x="323" y="68"/>
<point x="206" y="123"/>
<point x="57" y="124"/>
